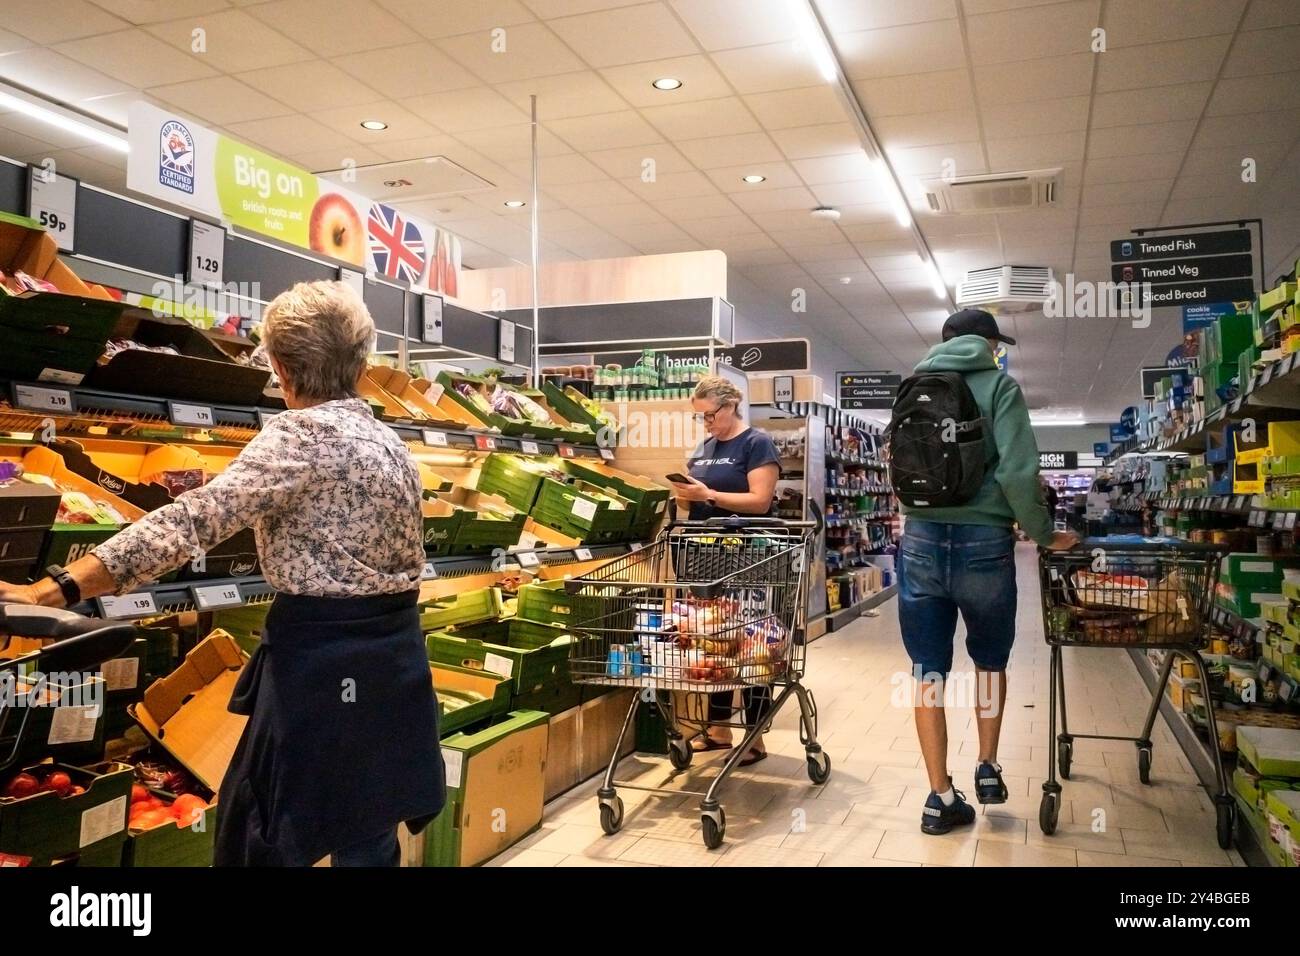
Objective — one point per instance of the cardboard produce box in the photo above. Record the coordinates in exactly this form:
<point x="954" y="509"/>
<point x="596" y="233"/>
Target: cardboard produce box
<point x="496" y="781"/>
<point x="46" y="827"/>
<point x="398" y="385"/>
<point x="58" y="716"/>
<point x="487" y="521"/>
<point x="465" y="607"/>
<point x="450" y="680"/>
<point x="1272" y="751"/>
<point x="446" y="408"/>
<point x="649" y="498"/>
<point x="169" y="845"/>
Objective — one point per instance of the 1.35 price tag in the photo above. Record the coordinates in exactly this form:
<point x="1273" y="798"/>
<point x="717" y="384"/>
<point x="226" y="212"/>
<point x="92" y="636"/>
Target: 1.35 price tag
<point x="213" y="596"/>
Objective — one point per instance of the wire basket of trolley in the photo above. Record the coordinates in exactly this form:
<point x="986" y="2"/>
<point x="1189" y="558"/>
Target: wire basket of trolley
<point x="1134" y="594"/>
<point x="708" y="607"/>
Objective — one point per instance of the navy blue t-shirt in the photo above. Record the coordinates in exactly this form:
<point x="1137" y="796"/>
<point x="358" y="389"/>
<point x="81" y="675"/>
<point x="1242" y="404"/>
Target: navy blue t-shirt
<point x="725" y="466"/>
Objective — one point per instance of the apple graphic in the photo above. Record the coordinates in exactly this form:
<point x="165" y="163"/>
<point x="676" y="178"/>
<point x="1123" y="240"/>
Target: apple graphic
<point x="336" y="230"/>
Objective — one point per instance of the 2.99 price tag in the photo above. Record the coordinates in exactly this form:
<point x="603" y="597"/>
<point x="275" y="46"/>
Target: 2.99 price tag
<point x="139" y="604"/>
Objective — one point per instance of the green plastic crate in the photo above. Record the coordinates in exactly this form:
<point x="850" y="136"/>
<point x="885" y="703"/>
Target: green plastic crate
<point x="584" y="511"/>
<point x="507" y="426"/>
<point x="494" y="688"/>
<point x="483" y="604"/>
<point x="32" y="346"/>
<point x="440" y="529"/>
<point x="533" y="657"/>
<point x="1272" y="751"/>
<point x="47" y="827"/>
<point x="576" y="430"/>
<point x="545" y="602"/>
<point x="650" y="503"/>
<point x="170" y="845"/>
<point x="479" y="531"/>
<point x="518" y="480"/>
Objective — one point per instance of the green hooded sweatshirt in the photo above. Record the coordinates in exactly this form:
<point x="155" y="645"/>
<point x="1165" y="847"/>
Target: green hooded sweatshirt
<point x="1011" y="491"/>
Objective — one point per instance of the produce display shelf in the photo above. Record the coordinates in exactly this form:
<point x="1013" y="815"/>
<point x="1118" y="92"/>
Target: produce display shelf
<point x="838" y="619"/>
<point x="1252" y="836"/>
<point x="175" y="597"/>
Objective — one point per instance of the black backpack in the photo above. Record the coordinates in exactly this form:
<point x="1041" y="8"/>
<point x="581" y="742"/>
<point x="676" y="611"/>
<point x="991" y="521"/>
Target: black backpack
<point x="936" y="441"/>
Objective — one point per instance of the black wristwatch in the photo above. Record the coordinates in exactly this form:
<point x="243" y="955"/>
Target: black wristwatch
<point x="71" y="590"/>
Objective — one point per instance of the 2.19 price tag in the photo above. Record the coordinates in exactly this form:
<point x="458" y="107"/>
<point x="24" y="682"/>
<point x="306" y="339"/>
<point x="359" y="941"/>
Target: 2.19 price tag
<point x="57" y="400"/>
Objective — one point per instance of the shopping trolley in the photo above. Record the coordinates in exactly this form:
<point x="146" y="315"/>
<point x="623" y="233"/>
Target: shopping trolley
<point x="1131" y="593"/>
<point x="707" y="607"/>
<point x="75" y="644"/>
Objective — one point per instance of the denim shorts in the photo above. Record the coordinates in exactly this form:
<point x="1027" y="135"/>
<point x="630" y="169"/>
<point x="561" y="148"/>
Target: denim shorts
<point x="947" y="568"/>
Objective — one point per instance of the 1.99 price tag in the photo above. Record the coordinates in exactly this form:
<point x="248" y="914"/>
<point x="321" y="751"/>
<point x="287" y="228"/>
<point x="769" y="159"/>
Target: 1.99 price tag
<point x="139" y="604"/>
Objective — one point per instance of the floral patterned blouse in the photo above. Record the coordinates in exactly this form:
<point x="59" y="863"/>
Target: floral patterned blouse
<point x="332" y="495"/>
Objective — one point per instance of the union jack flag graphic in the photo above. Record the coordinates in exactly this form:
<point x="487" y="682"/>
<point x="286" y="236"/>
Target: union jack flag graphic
<point x="396" y="245"/>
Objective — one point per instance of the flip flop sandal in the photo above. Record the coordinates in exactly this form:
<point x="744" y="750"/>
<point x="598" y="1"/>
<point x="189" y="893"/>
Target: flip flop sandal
<point x="705" y="744"/>
<point x="753" y="757"/>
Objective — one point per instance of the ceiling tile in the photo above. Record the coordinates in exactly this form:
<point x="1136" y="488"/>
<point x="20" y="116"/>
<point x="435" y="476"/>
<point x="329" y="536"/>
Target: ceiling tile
<point x="1057" y="30"/>
<point x="625" y="35"/>
<point x="936" y="92"/>
<point x="1134" y="22"/>
<point x="463" y="110"/>
<point x="289" y="134"/>
<point x="1226" y="160"/>
<point x="828" y="139"/>
<point x="1028" y="152"/>
<point x="654" y="158"/>
<point x="796" y="225"/>
<point x="835" y="169"/>
<point x="1263" y="51"/>
<point x="848" y="193"/>
<point x="606" y="130"/>
<point x="531" y="50"/>
<point x="505" y="144"/>
<point x="74" y="18"/>
<point x="927" y="129"/>
<point x="1112" y="194"/>
<point x="547" y="9"/>
<point x="1155" y="105"/>
<point x="318" y="160"/>
<point x="966" y="158"/>
<point x="1247" y="128"/>
<point x="404" y="72"/>
<point x="566" y="170"/>
<point x="235" y="41"/>
<point x="1013" y="121"/>
<point x="897" y="51"/>
<point x="773" y="66"/>
<point x="703" y="118"/>
<point x="1263" y="14"/>
<point x="720" y="25"/>
<point x="745" y="259"/>
<point x="1049" y="78"/>
<point x="1130" y="169"/>
<point x="770" y="200"/>
<point x="700" y="81"/>
<point x="1238" y="94"/>
<point x="1202" y="187"/>
<point x="748" y="242"/>
<point x="791" y="108"/>
<point x="696" y="207"/>
<point x="846" y="16"/>
<point x="729" y="179"/>
<point x="23" y="135"/>
<point x="437" y="20"/>
<point x="220" y="100"/>
<point x="714" y="230"/>
<point x="1126" y="215"/>
<point x="1161" y="64"/>
<point x="625" y="214"/>
<point x="402" y="124"/>
<point x="564" y="95"/>
<point x="1136" y="140"/>
<point x="76" y="163"/>
<point x="56" y="76"/>
<point x="150" y="11"/>
<point x="136" y="58"/>
<point x="322" y="26"/>
<point x="719" y="151"/>
<point x="672" y="186"/>
<point x="441" y="145"/>
<point x="582" y="195"/>
<point x="314" y="85"/>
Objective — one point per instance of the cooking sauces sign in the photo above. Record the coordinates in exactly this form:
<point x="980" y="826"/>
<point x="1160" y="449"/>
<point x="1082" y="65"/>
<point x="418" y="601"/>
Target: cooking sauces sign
<point x="860" y="390"/>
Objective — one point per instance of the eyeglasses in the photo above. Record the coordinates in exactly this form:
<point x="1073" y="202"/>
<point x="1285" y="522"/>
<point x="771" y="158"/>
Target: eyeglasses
<point x="708" y="417"/>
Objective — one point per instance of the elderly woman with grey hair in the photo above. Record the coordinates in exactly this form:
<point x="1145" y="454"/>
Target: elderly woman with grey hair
<point x="341" y="744"/>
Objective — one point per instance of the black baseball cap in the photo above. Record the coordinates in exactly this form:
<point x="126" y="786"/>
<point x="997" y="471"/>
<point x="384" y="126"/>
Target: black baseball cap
<point x="973" y="322"/>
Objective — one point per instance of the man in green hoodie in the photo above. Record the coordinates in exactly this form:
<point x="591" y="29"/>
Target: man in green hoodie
<point x="961" y="558"/>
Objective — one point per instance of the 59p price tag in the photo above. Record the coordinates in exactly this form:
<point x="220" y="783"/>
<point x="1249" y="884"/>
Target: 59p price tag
<point x="52" y="201"/>
<point x="214" y="596"/>
<point x="139" y="604"/>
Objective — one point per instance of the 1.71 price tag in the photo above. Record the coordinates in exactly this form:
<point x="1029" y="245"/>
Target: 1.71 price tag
<point x="213" y="596"/>
<point x="139" y="604"/>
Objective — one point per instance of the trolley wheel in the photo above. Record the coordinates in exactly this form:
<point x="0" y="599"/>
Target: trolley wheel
<point x="611" y="816"/>
<point x="714" y="830"/>
<point x="1064" y="756"/>
<point x="1225" y="820"/>
<point x="1048" y="810"/>
<point x="819" y="767"/>
<point x="1144" y="764"/>
<point x="680" y="753"/>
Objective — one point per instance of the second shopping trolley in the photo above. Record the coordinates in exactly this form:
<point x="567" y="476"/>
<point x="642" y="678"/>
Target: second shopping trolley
<point x="708" y="607"/>
<point x="1128" y="593"/>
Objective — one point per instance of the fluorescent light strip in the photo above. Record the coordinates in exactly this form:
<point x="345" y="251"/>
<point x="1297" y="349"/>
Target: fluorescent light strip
<point x="936" y="280"/>
<point x="893" y="195"/>
<point x="810" y="32"/>
<point x="64" y="122"/>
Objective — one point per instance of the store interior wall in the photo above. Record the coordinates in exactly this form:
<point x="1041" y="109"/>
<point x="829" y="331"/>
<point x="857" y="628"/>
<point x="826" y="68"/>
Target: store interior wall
<point x="1078" y="438"/>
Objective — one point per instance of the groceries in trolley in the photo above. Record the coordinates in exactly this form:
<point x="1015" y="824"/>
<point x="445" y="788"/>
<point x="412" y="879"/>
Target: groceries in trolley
<point x="1122" y="607"/>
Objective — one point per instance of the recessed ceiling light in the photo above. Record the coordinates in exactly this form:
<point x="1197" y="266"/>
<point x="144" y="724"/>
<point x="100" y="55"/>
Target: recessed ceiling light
<point x="826" y="212"/>
<point x="667" y="83"/>
<point x="845" y="280"/>
<point x="514" y="203"/>
<point x="753" y="178"/>
<point x="374" y="124"/>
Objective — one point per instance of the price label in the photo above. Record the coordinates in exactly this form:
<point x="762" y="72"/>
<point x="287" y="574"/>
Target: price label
<point x="44" y="399"/>
<point x="1239" y="502"/>
<point x="1256" y="519"/>
<point x="783" y="388"/>
<point x="529" y="447"/>
<point x="1290" y="521"/>
<point x="428" y="572"/>
<point x="452" y="763"/>
<point x="1279" y="521"/>
<point x="606" y="454"/>
<point x="435" y="439"/>
<point x="1267" y="376"/>
<point x="496" y="664"/>
<point x="431" y="320"/>
<point x="485" y="443"/>
<point x="582" y="554"/>
<point x="528" y="559"/>
<point x="566" y="451"/>
<point x="355" y="280"/>
<point x="139" y="604"/>
<point x="207" y="253"/>
<point x="52" y="201"/>
<point x="506" y="342"/>
<point x="198" y="415"/>
<point x="584" y="509"/>
<point x="636" y="545"/>
<point x="213" y="596"/>
<point x="264" y="417"/>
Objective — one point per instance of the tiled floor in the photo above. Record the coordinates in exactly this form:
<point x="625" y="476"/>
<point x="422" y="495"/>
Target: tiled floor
<point x="868" y="813"/>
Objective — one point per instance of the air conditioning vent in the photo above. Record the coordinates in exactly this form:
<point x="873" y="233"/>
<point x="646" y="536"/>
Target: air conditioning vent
<point x="997" y="192"/>
<point x="1005" y="289"/>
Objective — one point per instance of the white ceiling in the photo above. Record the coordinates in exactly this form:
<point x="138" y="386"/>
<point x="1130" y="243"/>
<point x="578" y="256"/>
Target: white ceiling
<point x="1150" y="132"/>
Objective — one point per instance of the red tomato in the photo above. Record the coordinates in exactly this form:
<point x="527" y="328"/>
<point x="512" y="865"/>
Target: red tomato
<point x="77" y="791"/>
<point x="59" y="782"/>
<point x="139" y="794"/>
<point x="150" y="819"/>
<point x="23" y="785"/>
<point x="187" y="808"/>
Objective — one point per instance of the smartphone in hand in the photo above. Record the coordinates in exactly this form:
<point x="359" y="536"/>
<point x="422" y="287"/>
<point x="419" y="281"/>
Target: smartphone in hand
<point x="678" y="478"/>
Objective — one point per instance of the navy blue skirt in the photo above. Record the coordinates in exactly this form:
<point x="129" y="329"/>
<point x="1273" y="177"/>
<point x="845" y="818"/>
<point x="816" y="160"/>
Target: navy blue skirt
<point x="342" y="738"/>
